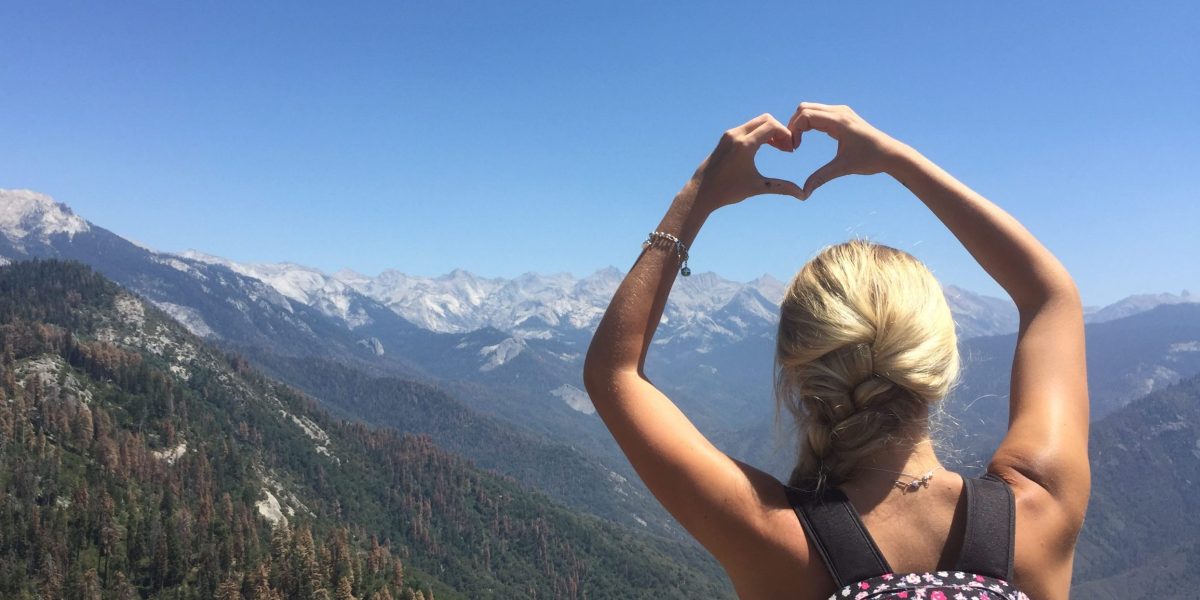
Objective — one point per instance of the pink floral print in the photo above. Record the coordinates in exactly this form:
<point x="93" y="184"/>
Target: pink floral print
<point x="940" y="585"/>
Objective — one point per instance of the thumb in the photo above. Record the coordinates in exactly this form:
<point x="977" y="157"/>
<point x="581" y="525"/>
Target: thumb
<point x="830" y="171"/>
<point x="783" y="187"/>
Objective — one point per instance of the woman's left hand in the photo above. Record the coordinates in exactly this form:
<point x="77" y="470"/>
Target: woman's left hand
<point x="729" y="174"/>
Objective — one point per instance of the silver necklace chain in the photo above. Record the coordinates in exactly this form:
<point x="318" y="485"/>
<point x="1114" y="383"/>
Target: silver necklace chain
<point x="915" y="482"/>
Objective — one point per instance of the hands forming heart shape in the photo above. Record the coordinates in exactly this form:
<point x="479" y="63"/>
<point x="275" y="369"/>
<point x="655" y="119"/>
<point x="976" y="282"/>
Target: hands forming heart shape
<point x="729" y="174"/>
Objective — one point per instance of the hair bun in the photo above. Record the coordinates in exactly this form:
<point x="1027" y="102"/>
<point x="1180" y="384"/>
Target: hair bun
<point x="866" y="344"/>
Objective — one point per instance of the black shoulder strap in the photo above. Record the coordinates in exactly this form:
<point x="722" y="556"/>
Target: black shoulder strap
<point x="835" y="529"/>
<point x="991" y="527"/>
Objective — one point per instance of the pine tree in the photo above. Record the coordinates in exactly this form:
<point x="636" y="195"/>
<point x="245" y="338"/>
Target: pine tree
<point x="230" y="588"/>
<point x="344" y="590"/>
<point x="307" y="570"/>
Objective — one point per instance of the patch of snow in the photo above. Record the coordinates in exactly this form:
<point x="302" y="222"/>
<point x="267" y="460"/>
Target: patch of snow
<point x="575" y="398"/>
<point x="620" y="482"/>
<point x="181" y="372"/>
<point x="172" y="454"/>
<point x="498" y="354"/>
<point x="131" y="310"/>
<point x="188" y="317"/>
<point x="1169" y="426"/>
<point x="299" y="283"/>
<point x="179" y="265"/>
<point x="1159" y="377"/>
<point x="48" y="370"/>
<point x="286" y="500"/>
<point x="26" y="213"/>
<point x="313" y="431"/>
<point x="373" y="344"/>
<point x="270" y="509"/>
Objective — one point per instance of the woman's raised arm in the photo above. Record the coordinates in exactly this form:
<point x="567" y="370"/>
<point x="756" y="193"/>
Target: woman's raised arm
<point x="1048" y="423"/>
<point x="714" y="497"/>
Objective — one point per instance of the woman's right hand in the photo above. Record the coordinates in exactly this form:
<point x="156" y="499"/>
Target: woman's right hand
<point x="862" y="149"/>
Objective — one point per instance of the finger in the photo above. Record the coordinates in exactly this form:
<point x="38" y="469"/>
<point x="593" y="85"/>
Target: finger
<point x="798" y="124"/>
<point x="830" y="171"/>
<point x="809" y="119"/>
<point x="816" y="105"/>
<point x="814" y="118"/>
<point x="753" y="124"/>
<point x="795" y="135"/>
<point x="782" y="141"/>
<point x="782" y="187"/>
<point x="770" y="130"/>
<point x="806" y="106"/>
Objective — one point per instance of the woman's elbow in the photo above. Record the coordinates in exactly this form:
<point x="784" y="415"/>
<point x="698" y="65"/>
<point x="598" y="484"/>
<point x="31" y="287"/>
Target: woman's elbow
<point x="603" y="366"/>
<point x="597" y="369"/>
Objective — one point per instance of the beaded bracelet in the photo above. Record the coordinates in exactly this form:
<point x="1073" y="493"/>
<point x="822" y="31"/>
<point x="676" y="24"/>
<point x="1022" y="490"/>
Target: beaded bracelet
<point x="681" y="250"/>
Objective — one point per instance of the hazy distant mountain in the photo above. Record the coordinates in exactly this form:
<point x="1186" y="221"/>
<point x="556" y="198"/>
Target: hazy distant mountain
<point x="977" y="315"/>
<point x="1137" y="304"/>
<point x="1141" y="538"/>
<point x="1127" y="358"/>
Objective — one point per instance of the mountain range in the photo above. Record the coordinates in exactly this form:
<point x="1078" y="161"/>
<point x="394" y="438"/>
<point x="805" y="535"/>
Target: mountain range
<point x="481" y="364"/>
<point x="508" y="348"/>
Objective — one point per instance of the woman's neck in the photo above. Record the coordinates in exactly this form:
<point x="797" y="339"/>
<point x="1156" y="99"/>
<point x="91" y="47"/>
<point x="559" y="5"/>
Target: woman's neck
<point x="902" y="461"/>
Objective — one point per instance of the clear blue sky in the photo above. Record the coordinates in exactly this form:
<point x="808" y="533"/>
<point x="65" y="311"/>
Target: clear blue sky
<point x="508" y="137"/>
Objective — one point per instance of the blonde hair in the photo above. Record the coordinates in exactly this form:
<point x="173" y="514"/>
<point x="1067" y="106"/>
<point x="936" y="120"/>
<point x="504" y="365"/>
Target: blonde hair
<point x="866" y="346"/>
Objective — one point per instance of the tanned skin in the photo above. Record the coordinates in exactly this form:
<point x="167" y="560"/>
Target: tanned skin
<point x="739" y="513"/>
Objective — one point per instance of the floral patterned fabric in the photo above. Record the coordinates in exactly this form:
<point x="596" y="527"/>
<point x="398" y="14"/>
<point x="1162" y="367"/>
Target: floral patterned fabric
<point x="941" y="585"/>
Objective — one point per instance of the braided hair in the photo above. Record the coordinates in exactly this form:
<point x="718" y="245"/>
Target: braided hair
<point x="866" y="345"/>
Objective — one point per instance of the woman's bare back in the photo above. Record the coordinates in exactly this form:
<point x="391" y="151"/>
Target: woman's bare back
<point x="916" y="532"/>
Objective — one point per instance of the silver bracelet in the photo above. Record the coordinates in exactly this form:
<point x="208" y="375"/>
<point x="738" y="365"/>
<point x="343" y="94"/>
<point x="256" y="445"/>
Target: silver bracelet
<point x="681" y="250"/>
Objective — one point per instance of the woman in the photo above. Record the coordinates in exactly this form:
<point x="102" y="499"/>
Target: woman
<point x="866" y="347"/>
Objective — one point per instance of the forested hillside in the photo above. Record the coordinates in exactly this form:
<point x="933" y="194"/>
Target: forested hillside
<point x="135" y="461"/>
<point x="561" y="471"/>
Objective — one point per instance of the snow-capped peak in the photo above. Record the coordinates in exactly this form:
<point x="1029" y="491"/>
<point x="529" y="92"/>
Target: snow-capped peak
<point x="305" y="285"/>
<point x="26" y="213"/>
<point x="771" y="288"/>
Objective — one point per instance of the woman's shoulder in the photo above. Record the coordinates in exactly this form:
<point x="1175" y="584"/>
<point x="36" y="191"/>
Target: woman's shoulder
<point x="1046" y="532"/>
<point x="776" y="559"/>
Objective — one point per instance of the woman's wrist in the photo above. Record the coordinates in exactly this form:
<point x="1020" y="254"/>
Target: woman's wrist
<point x="904" y="162"/>
<point x="688" y="212"/>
